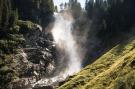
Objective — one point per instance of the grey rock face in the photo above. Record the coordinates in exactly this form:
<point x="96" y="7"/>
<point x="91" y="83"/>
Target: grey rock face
<point x="35" y="59"/>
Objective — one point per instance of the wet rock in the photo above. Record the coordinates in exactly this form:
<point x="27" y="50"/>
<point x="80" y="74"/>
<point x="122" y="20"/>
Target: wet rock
<point x="20" y="84"/>
<point x="35" y="59"/>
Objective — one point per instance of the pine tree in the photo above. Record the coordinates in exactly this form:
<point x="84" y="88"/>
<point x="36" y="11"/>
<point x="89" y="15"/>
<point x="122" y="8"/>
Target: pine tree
<point x="89" y="7"/>
<point x="13" y="18"/>
<point x="37" y="11"/>
<point x="56" y="9"/>
<point x="1" y="6"/>
<point x="75" y="8"/>
<point x="5" y="13"/>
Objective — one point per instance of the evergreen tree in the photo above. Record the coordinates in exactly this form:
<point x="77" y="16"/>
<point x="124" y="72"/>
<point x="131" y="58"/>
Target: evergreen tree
<point x="13" y="18"/>
<point x="37" y="11"/>
<point x="5" y="11"/>
<point x="111" y="17"/>
<point x="56" y="9"/>
<point x="1" y="6"/>
<point x="75" y="8"/>
<point x="89" y="6"/>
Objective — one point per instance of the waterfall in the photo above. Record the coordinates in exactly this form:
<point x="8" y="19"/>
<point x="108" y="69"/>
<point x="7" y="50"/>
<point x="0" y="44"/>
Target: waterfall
<point x="62" y="34"/>
<point x="69" y="60"/>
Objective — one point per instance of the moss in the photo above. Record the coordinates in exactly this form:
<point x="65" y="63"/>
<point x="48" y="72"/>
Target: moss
<point x="7" y="73"/>
<point x="14" y="29"/>
<point x="26" y="26"/>
<point x="113" y="70"/>
<point x="16" y="37"/>
<point x="10" y="44"/>
<point x="4" y="68"/>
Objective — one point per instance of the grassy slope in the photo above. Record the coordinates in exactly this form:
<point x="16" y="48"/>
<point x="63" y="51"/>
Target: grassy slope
<point x="114" y="70"/>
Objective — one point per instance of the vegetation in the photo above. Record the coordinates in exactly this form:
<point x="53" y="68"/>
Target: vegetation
<point x="25" y="26"/>
<point x="114" y="70"/>
<point x="7" y="73"/>
<point x="12" y="27"/>
<point x="109" y="21"/>
<point x="74" y="7"/>
<point x="9" y="41"/>
<point x="112" y="18"/>
<point x="8" y="27"/>
<point x="37" y="11"/>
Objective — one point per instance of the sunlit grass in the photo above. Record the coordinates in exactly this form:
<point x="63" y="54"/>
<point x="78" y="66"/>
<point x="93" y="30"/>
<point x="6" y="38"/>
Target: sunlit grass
<point x="114" y="70"/>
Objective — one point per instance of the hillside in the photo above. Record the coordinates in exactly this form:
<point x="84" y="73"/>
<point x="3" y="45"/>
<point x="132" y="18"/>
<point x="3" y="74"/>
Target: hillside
<point x="49" y="44"/>
<point x="114" y="70"/>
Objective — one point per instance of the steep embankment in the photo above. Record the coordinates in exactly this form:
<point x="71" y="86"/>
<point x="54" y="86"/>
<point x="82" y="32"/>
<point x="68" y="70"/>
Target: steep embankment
<point x="114" y="70"/>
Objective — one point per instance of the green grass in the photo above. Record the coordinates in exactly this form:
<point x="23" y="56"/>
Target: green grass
<point x="114" y="70"/>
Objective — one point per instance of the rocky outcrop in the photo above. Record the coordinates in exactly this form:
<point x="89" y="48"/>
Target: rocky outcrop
<point x="34" y="60"/>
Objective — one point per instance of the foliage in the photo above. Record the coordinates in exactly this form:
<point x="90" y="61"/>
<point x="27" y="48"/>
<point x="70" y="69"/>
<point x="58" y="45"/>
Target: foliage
<point x="12" y="29"/>
<point x="111" y="17"/>
<point x="56" y="9"/>
<point x="25" y="26"/>
<point x="75" y="8"/>
<point x="7" y="74"/>
<point x="37" y="11"/>
<point x="112" y="21"/>
<point x="9" y="41"/>
<point x="8" y="27"/>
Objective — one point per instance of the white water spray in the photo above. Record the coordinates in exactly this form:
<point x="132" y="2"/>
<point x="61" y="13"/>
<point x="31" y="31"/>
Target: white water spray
<point x="62" y="33"/>
<point x="63" y="37"/>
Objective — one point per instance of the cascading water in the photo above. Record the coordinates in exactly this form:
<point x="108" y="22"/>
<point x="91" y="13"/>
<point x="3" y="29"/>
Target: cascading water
<point x="66" y="44"/>
<point x="62" y="34"/>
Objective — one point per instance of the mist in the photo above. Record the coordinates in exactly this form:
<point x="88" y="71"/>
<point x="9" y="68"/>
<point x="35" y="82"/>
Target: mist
<point x="69" y="61"/>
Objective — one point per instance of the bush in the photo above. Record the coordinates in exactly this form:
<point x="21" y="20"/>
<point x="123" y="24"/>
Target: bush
<point x="14" y="29"/>
<point x="10" y="45"/>
<point x="25" y="26"/>
<point x="7" y="73"/>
